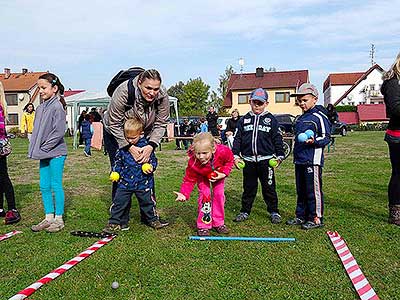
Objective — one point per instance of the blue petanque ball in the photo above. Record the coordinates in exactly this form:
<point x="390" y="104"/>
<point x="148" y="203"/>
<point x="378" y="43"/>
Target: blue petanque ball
<point x="309" y="133"/>
<point x="302" y="137"/>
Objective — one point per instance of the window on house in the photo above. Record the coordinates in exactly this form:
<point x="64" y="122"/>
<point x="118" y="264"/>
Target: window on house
<point x="282" y="97"/>
<point x="11" y="99"/>
<point x="243" y="98"/>
<point x="372" y="87"/>
<point x="12" y="119"/>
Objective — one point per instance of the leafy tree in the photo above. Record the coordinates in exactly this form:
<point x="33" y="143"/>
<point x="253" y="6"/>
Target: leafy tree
<point x="193" y="100"/>
<point x="217" y="99"/>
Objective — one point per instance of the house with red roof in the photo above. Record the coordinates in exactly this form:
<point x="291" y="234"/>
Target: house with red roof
<point x="20" y="89"/>
<point x="278" y="84"/>
<point x="354" y="88"/>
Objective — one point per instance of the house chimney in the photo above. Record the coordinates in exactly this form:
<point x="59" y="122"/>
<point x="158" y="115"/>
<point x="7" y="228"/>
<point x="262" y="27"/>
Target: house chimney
<point x="7" y="73"/>
<point x="259" y="72"/>
<point x="24" y="71"/>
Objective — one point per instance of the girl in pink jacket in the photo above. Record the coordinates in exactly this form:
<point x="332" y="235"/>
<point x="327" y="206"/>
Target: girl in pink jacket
<point x="209" y="164"/>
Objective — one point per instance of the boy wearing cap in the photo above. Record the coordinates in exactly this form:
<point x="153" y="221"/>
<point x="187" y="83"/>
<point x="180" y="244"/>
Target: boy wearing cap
<point x="309" y="158"/>
<point x="257" y="140"/>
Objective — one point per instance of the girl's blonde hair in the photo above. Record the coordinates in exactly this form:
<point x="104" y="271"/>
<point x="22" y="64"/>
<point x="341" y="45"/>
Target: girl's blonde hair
<point x="394" y="70"/>
<point x="3" y="102"/>
<point x="202" y="138"/>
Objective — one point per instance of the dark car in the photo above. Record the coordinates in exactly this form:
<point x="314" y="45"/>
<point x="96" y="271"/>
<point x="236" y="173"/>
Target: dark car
<point x="286" y="122"/>
<point x="339" y="128"/>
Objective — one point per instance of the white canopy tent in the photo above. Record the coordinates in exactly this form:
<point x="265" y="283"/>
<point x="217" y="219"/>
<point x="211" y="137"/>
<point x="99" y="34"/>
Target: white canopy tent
<point x="96" y="99"/>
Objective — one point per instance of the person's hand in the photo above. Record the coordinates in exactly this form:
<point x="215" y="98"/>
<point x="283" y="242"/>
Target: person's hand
<point x="219" y="176"/>
<point x="135" y="151"/>
<point x="228" y="133"/>
<point x="180" y="197"/>
<point x="310" y="141"/>
<point x="237" y="162"/>
<point x="145" y="154"/>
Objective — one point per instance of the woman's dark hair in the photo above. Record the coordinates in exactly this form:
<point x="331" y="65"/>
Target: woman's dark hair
<point x="55" y="81"/>
<point x="29" y="104"/>
<point x="150" y="74"/>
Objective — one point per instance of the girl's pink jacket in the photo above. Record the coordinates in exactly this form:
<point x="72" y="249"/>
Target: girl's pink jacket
<point x="222" y="161"/>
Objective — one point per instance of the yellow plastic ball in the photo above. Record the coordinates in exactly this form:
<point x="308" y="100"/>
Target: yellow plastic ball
<point x="114" y="176"/>
<point x="146" y="167"/>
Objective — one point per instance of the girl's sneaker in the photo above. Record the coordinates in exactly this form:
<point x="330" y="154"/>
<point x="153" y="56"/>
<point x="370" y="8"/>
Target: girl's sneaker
<point x="203" y="232"/>
<point x="222" y="229"/>
<point x="56" y="226"/>
<point x="41" y="226"/>
<point x="12" y="216"/>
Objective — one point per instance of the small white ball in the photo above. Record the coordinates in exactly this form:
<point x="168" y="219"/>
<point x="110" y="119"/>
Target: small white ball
<point x="115" y="285"/>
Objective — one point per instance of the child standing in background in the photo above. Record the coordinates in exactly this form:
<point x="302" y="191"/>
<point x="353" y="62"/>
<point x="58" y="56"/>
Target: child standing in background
<point x="86" y="130"/>
<point x="48" y="146"/>
<point x="309" y="158"/>
<point x="133" y="178"/>
<point x="209" y="163"/>
<point x="27" y="120"/>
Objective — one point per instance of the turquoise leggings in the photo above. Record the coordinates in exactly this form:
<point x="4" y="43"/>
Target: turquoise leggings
<point x="51" y="174"/>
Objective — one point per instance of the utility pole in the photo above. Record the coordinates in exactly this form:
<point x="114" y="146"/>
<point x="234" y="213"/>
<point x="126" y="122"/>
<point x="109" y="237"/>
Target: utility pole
<point x="372" y="54"/>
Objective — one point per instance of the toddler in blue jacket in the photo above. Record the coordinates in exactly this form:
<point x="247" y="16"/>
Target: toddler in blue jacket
<point x="313" y="125"/>
<point x="133" y="178"/>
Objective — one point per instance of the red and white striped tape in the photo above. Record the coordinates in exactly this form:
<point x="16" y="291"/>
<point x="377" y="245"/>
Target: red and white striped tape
<point x="360" y="283"/>
<point x="57" y="272"/>
<point x="8" y="235"/>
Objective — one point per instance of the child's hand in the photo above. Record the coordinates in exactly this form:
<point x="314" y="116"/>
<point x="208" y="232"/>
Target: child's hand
<point x="219" y="176"/>
<point x="239" y="163"/>
<point x="180" y="197"/>
<point x="310" y="141"/>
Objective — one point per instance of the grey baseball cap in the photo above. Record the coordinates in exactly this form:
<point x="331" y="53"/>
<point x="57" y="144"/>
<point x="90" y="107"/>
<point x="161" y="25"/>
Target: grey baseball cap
<point x="304" y="89"/>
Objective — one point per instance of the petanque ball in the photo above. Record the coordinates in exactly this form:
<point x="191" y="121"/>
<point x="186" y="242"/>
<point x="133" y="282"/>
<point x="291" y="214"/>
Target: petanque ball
<point x="302" y="137"/>
<point x="241" y="164"/>
<point x="146" y="167"/>
<point x="273" y="162"/>
<point x="115" y="285"/>
<point x="114" y="176"/>
<point x="309" y="133"/>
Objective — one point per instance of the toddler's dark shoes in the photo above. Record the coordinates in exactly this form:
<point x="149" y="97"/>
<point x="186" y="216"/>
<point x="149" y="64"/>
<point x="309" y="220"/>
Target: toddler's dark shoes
<point x="313" y="224"/>
<point x="112" y="229"/>
<point x="12" y="216"/>
<point x="203" y="232"/>
<point x="223" y="229"/>
<point x="295" y="221"/>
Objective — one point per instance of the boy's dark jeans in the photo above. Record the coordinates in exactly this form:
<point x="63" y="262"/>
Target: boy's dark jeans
<point x="122" y="204"/>
<point x="252" y="172"/>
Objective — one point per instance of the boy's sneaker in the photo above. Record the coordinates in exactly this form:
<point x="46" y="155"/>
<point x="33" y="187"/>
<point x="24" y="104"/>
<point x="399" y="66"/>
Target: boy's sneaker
<point x="275" y="218"/>
<point x="2" y="213"/>
<point x="87" y="154"/>
<point x="222" y="229"/>
<point x="41" y="226"/>
<point x="312" y="224"/>
<point x="112" y="229"/>
<point x="12" y="216"/>
<point x="203" y="232"/>
<point x="124" y="227"/>
<point x="295" y="221"/>
<point x="56" y="226"/>
<point x="158" y="224"/>
<point x="241" y="217"/>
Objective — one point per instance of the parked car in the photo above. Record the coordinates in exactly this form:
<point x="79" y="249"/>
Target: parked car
<point x="286" y="122"/>
<point x="339" y="128"/>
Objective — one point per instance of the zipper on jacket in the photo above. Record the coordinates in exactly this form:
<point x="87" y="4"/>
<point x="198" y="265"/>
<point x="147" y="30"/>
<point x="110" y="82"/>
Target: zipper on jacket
<point x="255" y="135"/>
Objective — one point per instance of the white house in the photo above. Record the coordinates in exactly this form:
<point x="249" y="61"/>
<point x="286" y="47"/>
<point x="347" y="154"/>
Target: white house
<point x="354" y="88"/>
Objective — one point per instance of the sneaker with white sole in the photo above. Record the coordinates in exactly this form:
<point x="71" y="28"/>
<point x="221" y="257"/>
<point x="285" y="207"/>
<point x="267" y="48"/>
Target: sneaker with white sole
<point x="41" y="226"/>
<point x="56" y="226"/>
<point x="241" y="217"/>
<point x="275" y="218"/>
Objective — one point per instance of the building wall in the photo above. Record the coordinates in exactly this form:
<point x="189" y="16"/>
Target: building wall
<point x="336" y="91"/>
<point x="273" y="107"/>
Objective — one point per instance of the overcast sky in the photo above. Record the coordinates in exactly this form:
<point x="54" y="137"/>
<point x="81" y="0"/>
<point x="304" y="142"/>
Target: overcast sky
<point x="87" y="42"/>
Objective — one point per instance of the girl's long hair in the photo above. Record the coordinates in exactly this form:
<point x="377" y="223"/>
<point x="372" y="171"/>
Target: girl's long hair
<point x="394" y="70"/>
<point x="3" y="102"/>
<point x="55" y="81"/>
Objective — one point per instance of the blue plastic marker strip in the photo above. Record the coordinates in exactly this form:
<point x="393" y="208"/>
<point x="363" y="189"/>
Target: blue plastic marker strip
<point x="241" y="238"/>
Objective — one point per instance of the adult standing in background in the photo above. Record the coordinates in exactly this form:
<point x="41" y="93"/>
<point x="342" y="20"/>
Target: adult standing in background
<point x="212" y="118"/>
<point x="151" y="106"/>
<point x="231" y="127"/>
<point x="27" y="120"/>
<point x="391" y="94"/>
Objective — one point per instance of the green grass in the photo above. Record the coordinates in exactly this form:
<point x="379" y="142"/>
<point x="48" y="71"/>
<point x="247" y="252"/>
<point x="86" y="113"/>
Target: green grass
<point x="164" y="264"/>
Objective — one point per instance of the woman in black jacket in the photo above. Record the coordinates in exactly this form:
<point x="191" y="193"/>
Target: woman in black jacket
<point x="391" y="94"/>
<point x="231" y="127"/>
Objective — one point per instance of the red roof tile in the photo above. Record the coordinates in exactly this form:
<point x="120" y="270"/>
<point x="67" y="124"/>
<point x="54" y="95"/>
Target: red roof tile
<point x="71" y="92"/>
<point x="269" y="80"/>
<point x="371" y="112"/>
<point x="18" y="82"/>
<point x="342" y="79"/>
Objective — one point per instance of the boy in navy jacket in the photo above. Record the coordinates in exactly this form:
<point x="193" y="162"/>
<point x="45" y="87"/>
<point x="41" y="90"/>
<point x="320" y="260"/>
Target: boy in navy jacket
<point x="309" y="157"/>
<point x="257" y="141"/>
<point x="133" y="178"/>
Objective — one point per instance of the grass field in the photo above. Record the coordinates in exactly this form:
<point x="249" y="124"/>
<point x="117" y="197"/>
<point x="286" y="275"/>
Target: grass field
<point x="164" y="264"/>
